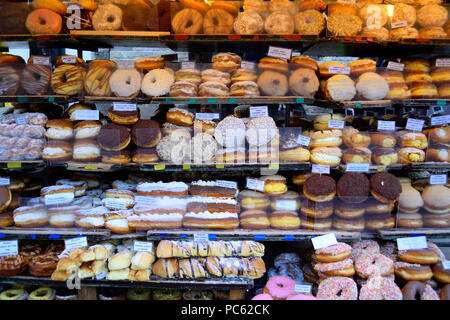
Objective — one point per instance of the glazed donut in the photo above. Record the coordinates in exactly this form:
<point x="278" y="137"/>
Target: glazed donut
<point x="157" y="83"/>
<point x="107" y="17"/>
<point x="187" y="21"/>
<point x="334" y="253"/>
<point x="445" y="292"/>
<point x="35" y="79"/>
<point x="9" y="80"/>
<point x="14" y="294"/>
<point x="440" y="274"/>
<point x="367" y="265"/>
<point x="43" y="293"/>
<point x="43" y="21"/>
<point x="410" y="272"/>
<point x="380" y="288"/>
<point x="248" y="22"/>
<point x="198" y="5"/>
<point x="421" y="256"/>
<point x="67" y="79"/>
<point x="125" y="83"/>
<point x="273" y="83"/>
<point x="279" y="23"/>
<point x="218" y="21"/>
<point x="309" y="22"/>
<point x="337" y="288"/>
<point x="97" y="81"/>
<point x="416" y="288"/>
<point x="280" y="287"/>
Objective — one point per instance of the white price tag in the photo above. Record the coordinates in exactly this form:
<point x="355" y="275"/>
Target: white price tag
<point x="384" y="125"/>
<point x="143" y="246"/>
<point x="414" y="124"/>
<point x="399" y="24"/>
<point x="324" y="241"/>
<point x="339" y="70"/>
<point x="4" y="181"/>
<point x="437" y="121"/>
<point x="412" y="243"/>
<point x="125" y="65"/>
<point x="112" y="203"/>
<point x="226" y="184"/>
<point x="55" y="198"/>
<point x="8" y="248"/>
<point x="278" y="52"/>
<point x="320" y="168"/>
<point x="357" y="167"/>
<point x="446" y="265"/>
<point x="261" y="111"/>
<point x="248" y="65"/>
<point x="444" y="62"/>
<point x="117" y="106"/>
<point x="395" y="66"/>
<point x="302" y="288"/>
<point x="75" y="243"/>
<point x="336" y="124"/>
<point x="188" y="65"/>
<point x="290" y="205"/>
<point x="69" y="59"/>
<point x="148" y="200"/>
<point x="438" y="179"/>
<point x="41" y="60"/>
<point x="21" y="120"/>
<point x="206" y="116"/>
<point x="201" y="237"/>
<point x="303" y="140"/>
<point x="255" y="184"/>
<point x="86" y="115"/>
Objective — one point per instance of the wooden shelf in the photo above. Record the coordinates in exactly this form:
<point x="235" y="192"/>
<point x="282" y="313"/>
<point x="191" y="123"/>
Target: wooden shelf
<point x="54" y="233"/>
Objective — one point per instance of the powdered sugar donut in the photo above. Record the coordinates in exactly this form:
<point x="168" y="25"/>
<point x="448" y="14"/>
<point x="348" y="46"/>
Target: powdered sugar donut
<point x="380" y="288"/>
<point x="204" y="147"/>
<point x="107" y="17"/>
<point x="230" y="132"/>
<point x="280" y="287"/>
<point x="261" y="131"/>
<point x="248" y="22"/>
<point x="279" y="23"/>
<point x="125" y="83"/>
<point x="337" y="288"/>
<point x="157" y="82"/>
<point x="367" y="265"/>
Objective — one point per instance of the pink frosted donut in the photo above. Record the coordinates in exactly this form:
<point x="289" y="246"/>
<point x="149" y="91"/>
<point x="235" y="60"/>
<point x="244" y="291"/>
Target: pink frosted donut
<point x="301" y="297"/>
<point x="380" y="288"/>
<point x="365" y="246"/>
<point x="367" y="265"/>
<point x="43" y="21"/>
<point x="337" y="288"/>
<point x="263" y="296"/>
<point x="280" y="287"/>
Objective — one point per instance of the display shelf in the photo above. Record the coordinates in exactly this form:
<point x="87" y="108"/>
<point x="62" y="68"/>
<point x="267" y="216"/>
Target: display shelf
<point x="358" y="104"/>
<point x="36" y="99"/>
<point x="22" y="165"/>
<point x="93" y="166"/>
<point x="244" y="234"/>
<point x="376" y="168"/>
<point x="54" y="233"/>
<point x="301" y="166"/>
<point x="430" y="233"/>
<point x="231" y="283"/>
<point x="421" y="103"/>
<point x="136" y="235"/>
<point x="438" y="166"/>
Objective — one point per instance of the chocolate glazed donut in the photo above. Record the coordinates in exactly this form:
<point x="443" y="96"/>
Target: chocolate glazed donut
<point x="415" y="290"/>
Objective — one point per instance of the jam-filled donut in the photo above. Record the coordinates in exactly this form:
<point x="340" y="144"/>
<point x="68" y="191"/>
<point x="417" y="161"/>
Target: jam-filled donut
<point x="187" y="21"/>
<point x="107" y="17"/>
<point x="416" y="290"/>
<point x="35" y="79"/>
<point x="43" y="21"/>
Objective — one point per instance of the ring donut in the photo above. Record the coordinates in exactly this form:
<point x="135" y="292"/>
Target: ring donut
<point x="125" y="83"/>
<point x="414" y="289"/>
<point x="35" y="79"/>
<point x="157" y="83"/>
<point x="67" y="79"/>
<point x="9" y="80"/>
<point x="107" y="17"/>
<point x="43" y="21"/>
<point x="198" y="5"/>
<point x="273" y="83"/>
<point x="218" y="21"/>
<point x="187" y="21"/>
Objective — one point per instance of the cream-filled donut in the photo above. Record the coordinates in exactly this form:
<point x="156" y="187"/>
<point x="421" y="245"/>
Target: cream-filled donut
<point x="125" y="83"/>
<point x="157" y="82"/>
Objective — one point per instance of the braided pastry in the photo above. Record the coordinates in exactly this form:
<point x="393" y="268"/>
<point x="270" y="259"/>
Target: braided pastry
<point x="67" y="79"/>
<point x="97" y="82"/>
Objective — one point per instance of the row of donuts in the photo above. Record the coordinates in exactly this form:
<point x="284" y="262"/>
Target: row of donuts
<point x="336" y="272"/>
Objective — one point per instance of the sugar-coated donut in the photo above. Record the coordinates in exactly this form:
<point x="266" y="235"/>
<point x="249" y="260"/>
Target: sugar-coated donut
<point x="217" y="21"/>
<point x="309" y="22"/>
<point x="248" y="22"/>
<point x="337" y="288"/>
<point x="279" y="23"/>
<point x="157" y="83"/>
<point x="43" y="21"/>
<point x="187" y="21"/>
<point x="125" y="83"/>
<point x="107" y="17"/>
<point x="280" y="287"/>
<point x="273" y="83"/>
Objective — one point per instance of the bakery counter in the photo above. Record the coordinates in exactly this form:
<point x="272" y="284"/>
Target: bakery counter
<point x="244" y="234"/>
<point x="234" y="283"/>
<point x="54" y="233"/>
<point x="430" y="233"/>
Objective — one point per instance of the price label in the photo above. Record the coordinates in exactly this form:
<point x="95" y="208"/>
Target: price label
<point x="86" y="115"/>
<point x="303" y="288"/>
<point x="75" y="243"/>
<point x="8" y="248"/>
<point x="414" y="124"/>
<point x="52" y="199"/>
<point x="324" y="241"/>
<point x="444" y="62"/>
<point x="125" y="65"/>
<point x="439" y="120"/>
<point x="290" y="205"/>
<point x="42" y="60"/>
<point x="69" y="59"/>
<point x="4" y="181"/>
<point x="248" y="65"/>
<point x="124" y="106"/>
<point x="357" y="167"/>
<point x="21" y="120"/>
<point x="436" y="109"/>
<point x="148" y="200"/>
<point x="113" y="204"/>
<point x="255" y="184"/>
<point x="303" y="140"/>
<point x="446" y="265"/>
<point x="188" y="65"/>
<point x="395" y="66"/>
<point x="226" y="184"/>
<point x="412" y="243"/>
<point x="206" y="116"/>
<point x="384" y="125"/>
<point x="349" y="112"/>
<point x="201" y="237"/>
<point x="261" y="111"/>
<point x="438" y="179"/>
<point x="278" y="52"/>
<point x="336" y="124"/>
<point x="399" y="24"/>
<point x="320" y="168"/>
<point x="339" y="70"/>
<point x="143" y="246"/>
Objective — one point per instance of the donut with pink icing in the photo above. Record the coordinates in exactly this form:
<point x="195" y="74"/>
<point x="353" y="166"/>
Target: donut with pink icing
<point x="280" y="287"/>
<point x="337" y="288"/>
<point x="262" y="296"/>
<point x="301" y="297"/>
<point x="368" y="265"/>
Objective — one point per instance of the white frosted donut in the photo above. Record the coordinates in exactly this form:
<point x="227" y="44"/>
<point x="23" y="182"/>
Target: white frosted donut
<point x="157" y="82"/>
<point x="204" y="147"/>
<point x="107" y="17"/>
<point x="125" y="83"/>
<point x="279" y="23"/>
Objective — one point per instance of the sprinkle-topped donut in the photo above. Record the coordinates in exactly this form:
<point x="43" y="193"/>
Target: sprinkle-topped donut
<point x="337" y="288"/>
<point x="417" y="288"/>
<point x="380" y="288"/>
<point x="333" y="253"/>
<point x="365" y="246"/>
<point x="340" y="265"/>
<point x="368" y="265"/>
